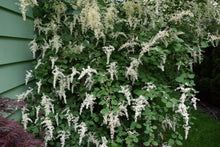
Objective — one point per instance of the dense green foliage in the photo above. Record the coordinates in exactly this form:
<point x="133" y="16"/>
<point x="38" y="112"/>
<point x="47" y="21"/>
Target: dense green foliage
<point x="116" y="73"/>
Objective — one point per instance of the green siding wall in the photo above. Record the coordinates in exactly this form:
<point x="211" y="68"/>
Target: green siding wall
<point x="15" y="56"/>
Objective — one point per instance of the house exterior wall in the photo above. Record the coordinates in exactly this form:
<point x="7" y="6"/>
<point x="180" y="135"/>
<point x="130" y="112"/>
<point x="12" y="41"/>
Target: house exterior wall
<point x="15" y="56"/>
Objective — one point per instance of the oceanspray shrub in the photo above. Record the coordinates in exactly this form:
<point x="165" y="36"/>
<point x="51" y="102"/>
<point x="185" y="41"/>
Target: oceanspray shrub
<point x="116" y="73"/>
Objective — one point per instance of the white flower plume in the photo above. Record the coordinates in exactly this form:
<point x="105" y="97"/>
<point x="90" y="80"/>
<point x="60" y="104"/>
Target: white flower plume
<point x="108" y="51"/>
<point x="89" y="101"/>
<point x="28" y="76"/>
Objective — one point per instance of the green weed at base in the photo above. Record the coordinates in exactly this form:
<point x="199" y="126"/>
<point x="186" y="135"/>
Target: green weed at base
<point x="204" y="133"/>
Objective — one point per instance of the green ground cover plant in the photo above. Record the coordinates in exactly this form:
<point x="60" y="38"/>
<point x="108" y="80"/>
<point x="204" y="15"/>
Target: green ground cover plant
<point x="115" y="73"/>
<point x="205" y="131"/>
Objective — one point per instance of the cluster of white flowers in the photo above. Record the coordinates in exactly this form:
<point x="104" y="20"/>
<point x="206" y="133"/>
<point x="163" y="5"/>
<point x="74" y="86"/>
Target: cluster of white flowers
<point x="178" y="16"/>
<point x="24" y="95"/>
<point x="139" y="105"/>
<point x="112" y="70"/>
<point x="108" y="51"/>
<point x="129" y="44"/>
<point x="63" y="136"/>
<point x="25" y="118"/>
<point x="38" y="63"/>
<point x="214" y="39"/>
<point x="24" y="4"/>
<point x="170" y="123"/>
<point x="48" y="125"/>
<point x="132" y="70"/>
<point x="110" y="17"/>
<point x="146" y="47"/>
<point x="33" y="47"/>
<point x="112" y="120"/>
<point x="194" y="102"/>
<point x="126" y="91"/>
<point x="89" y="101"/>
<point x="161" y="66"/>
<point x="39" y="83"/>
<point x="83" y="129"/>
<point x="53" y="60"/>
<point x="74" y="48"/>
<point x="46" y="102"/>
<point x="89" y="81"/>
<point x="58" y="73"/>
<point x="37" y="113"/>
<point x="59" y="8"/>
<point x="104" y="142"/>
<point x="44" y="48"/>
<point x="56" y="43"/>
<point x="182" y="108"/>
<point x="90" y="18"/>
<point x="93" y="139"/>
<point x="28" y="76"/>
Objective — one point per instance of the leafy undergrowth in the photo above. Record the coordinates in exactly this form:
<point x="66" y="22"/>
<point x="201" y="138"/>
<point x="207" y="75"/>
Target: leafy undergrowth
<point x="204" y="133"/>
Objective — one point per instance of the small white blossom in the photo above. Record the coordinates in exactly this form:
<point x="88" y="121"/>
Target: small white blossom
<point x="93" y="139"/>
<point x="112" y="70"/>
<point x="56" y="43"/>
<point x="179" y="15"/>
<point x="139" y="105"/>
<point x="38" y="86"/>
<point x="89" y="81"/>
<point x="28" y="76"/>
<point x="44" y="47"/>
<point x="33" y="47"/>
<point x="24" y="95"/>
<point x="132" y="70"/>
<point x="48" y="125"/>
<point x="89" y="101"/>
<point x="37" y="113"/>
<point x="38" y="63"/>
<point x="53" y="60"/>
<point x="186" y="130"/>
<point x="74" y="72"/>
<point x="57" y="73"/>
<point x="46" y="102"/>
<point x="104" y="142"/>
<point x="63" y="136"/>
<point x="25" y="118"/>
<point x="112" y="121"/>
<point x="108" y="52"/>
<point x="125" y="90"/>
<point x="82" y="131"/>
<point x="193" y="100"/>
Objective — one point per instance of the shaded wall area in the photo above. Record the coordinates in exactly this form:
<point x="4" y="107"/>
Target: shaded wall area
<point x="15" y="56"/>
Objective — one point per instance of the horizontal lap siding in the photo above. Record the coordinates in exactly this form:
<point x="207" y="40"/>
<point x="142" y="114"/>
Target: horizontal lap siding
<point x="15" y="56"/>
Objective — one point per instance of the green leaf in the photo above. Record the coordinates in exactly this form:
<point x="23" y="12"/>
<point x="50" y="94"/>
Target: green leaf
<point x="138" y="126"/>
<point x="170" y="142"/>
<point x="178" y="142"/>
<point x="169" y="104"/>
<point x="204" y="44"/>
<point x="114" y="102"/>
<point x="147" y="143"/>
<point x="104" y="111"/>
<point x="155" y="143"/>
